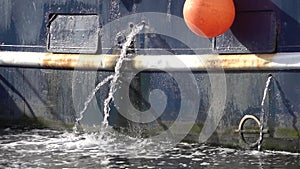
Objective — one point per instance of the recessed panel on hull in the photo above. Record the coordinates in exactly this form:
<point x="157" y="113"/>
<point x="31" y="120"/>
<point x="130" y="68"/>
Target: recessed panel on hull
<point x="74" y="34"/>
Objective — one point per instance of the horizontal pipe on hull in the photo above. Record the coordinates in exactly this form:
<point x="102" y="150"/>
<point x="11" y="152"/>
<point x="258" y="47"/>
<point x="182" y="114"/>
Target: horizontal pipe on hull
<point x="51" y="60"/>
<point x="278" y="61"/>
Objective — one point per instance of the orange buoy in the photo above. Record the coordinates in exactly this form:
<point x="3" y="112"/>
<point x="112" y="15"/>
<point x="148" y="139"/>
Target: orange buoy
<point x="209" y="18"/>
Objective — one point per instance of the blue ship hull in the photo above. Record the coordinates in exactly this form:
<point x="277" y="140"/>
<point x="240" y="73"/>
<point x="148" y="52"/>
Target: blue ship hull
<point x="47" y="71"/>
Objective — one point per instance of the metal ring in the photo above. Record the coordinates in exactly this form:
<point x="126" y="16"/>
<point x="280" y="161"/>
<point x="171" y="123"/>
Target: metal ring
<point x="241" y="126"/>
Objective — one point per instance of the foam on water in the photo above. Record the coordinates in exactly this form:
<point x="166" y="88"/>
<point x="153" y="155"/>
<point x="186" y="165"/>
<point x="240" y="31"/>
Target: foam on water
<point x="56" y="149"/>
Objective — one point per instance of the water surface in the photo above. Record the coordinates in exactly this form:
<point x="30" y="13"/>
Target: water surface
<point x="45" y="148"/>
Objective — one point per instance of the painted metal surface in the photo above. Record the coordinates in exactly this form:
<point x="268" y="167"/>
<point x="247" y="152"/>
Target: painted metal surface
<point x="35" y="83"/>
<point x="27" y="29"/>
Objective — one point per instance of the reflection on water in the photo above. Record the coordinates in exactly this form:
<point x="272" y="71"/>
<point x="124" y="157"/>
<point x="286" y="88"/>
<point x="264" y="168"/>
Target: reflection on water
<point x="34" y="148"/>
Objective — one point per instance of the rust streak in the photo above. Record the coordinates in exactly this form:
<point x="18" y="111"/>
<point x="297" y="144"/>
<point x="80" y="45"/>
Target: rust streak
<point x="60" y="60"/>
<point x="227" y="62"/>
<point x="240" y="62"/>
<point x="79" y="61"/>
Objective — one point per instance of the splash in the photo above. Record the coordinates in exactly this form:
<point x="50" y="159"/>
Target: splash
<point x="262" y="113"/>
<point x="88" y="100"/>
<point x="129" y="39"/>
<point x="112" y="78"/>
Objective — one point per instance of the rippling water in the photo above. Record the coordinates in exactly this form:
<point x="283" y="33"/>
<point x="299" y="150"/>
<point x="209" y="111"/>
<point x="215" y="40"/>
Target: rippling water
<point x="36" y="148"/>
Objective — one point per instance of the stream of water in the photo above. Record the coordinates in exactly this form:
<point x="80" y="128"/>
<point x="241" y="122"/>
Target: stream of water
<point x="169" y="10"/>
<point x="262" y="113"/>
<point x="135" y="29"/>
<point x="129" y="39"/>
